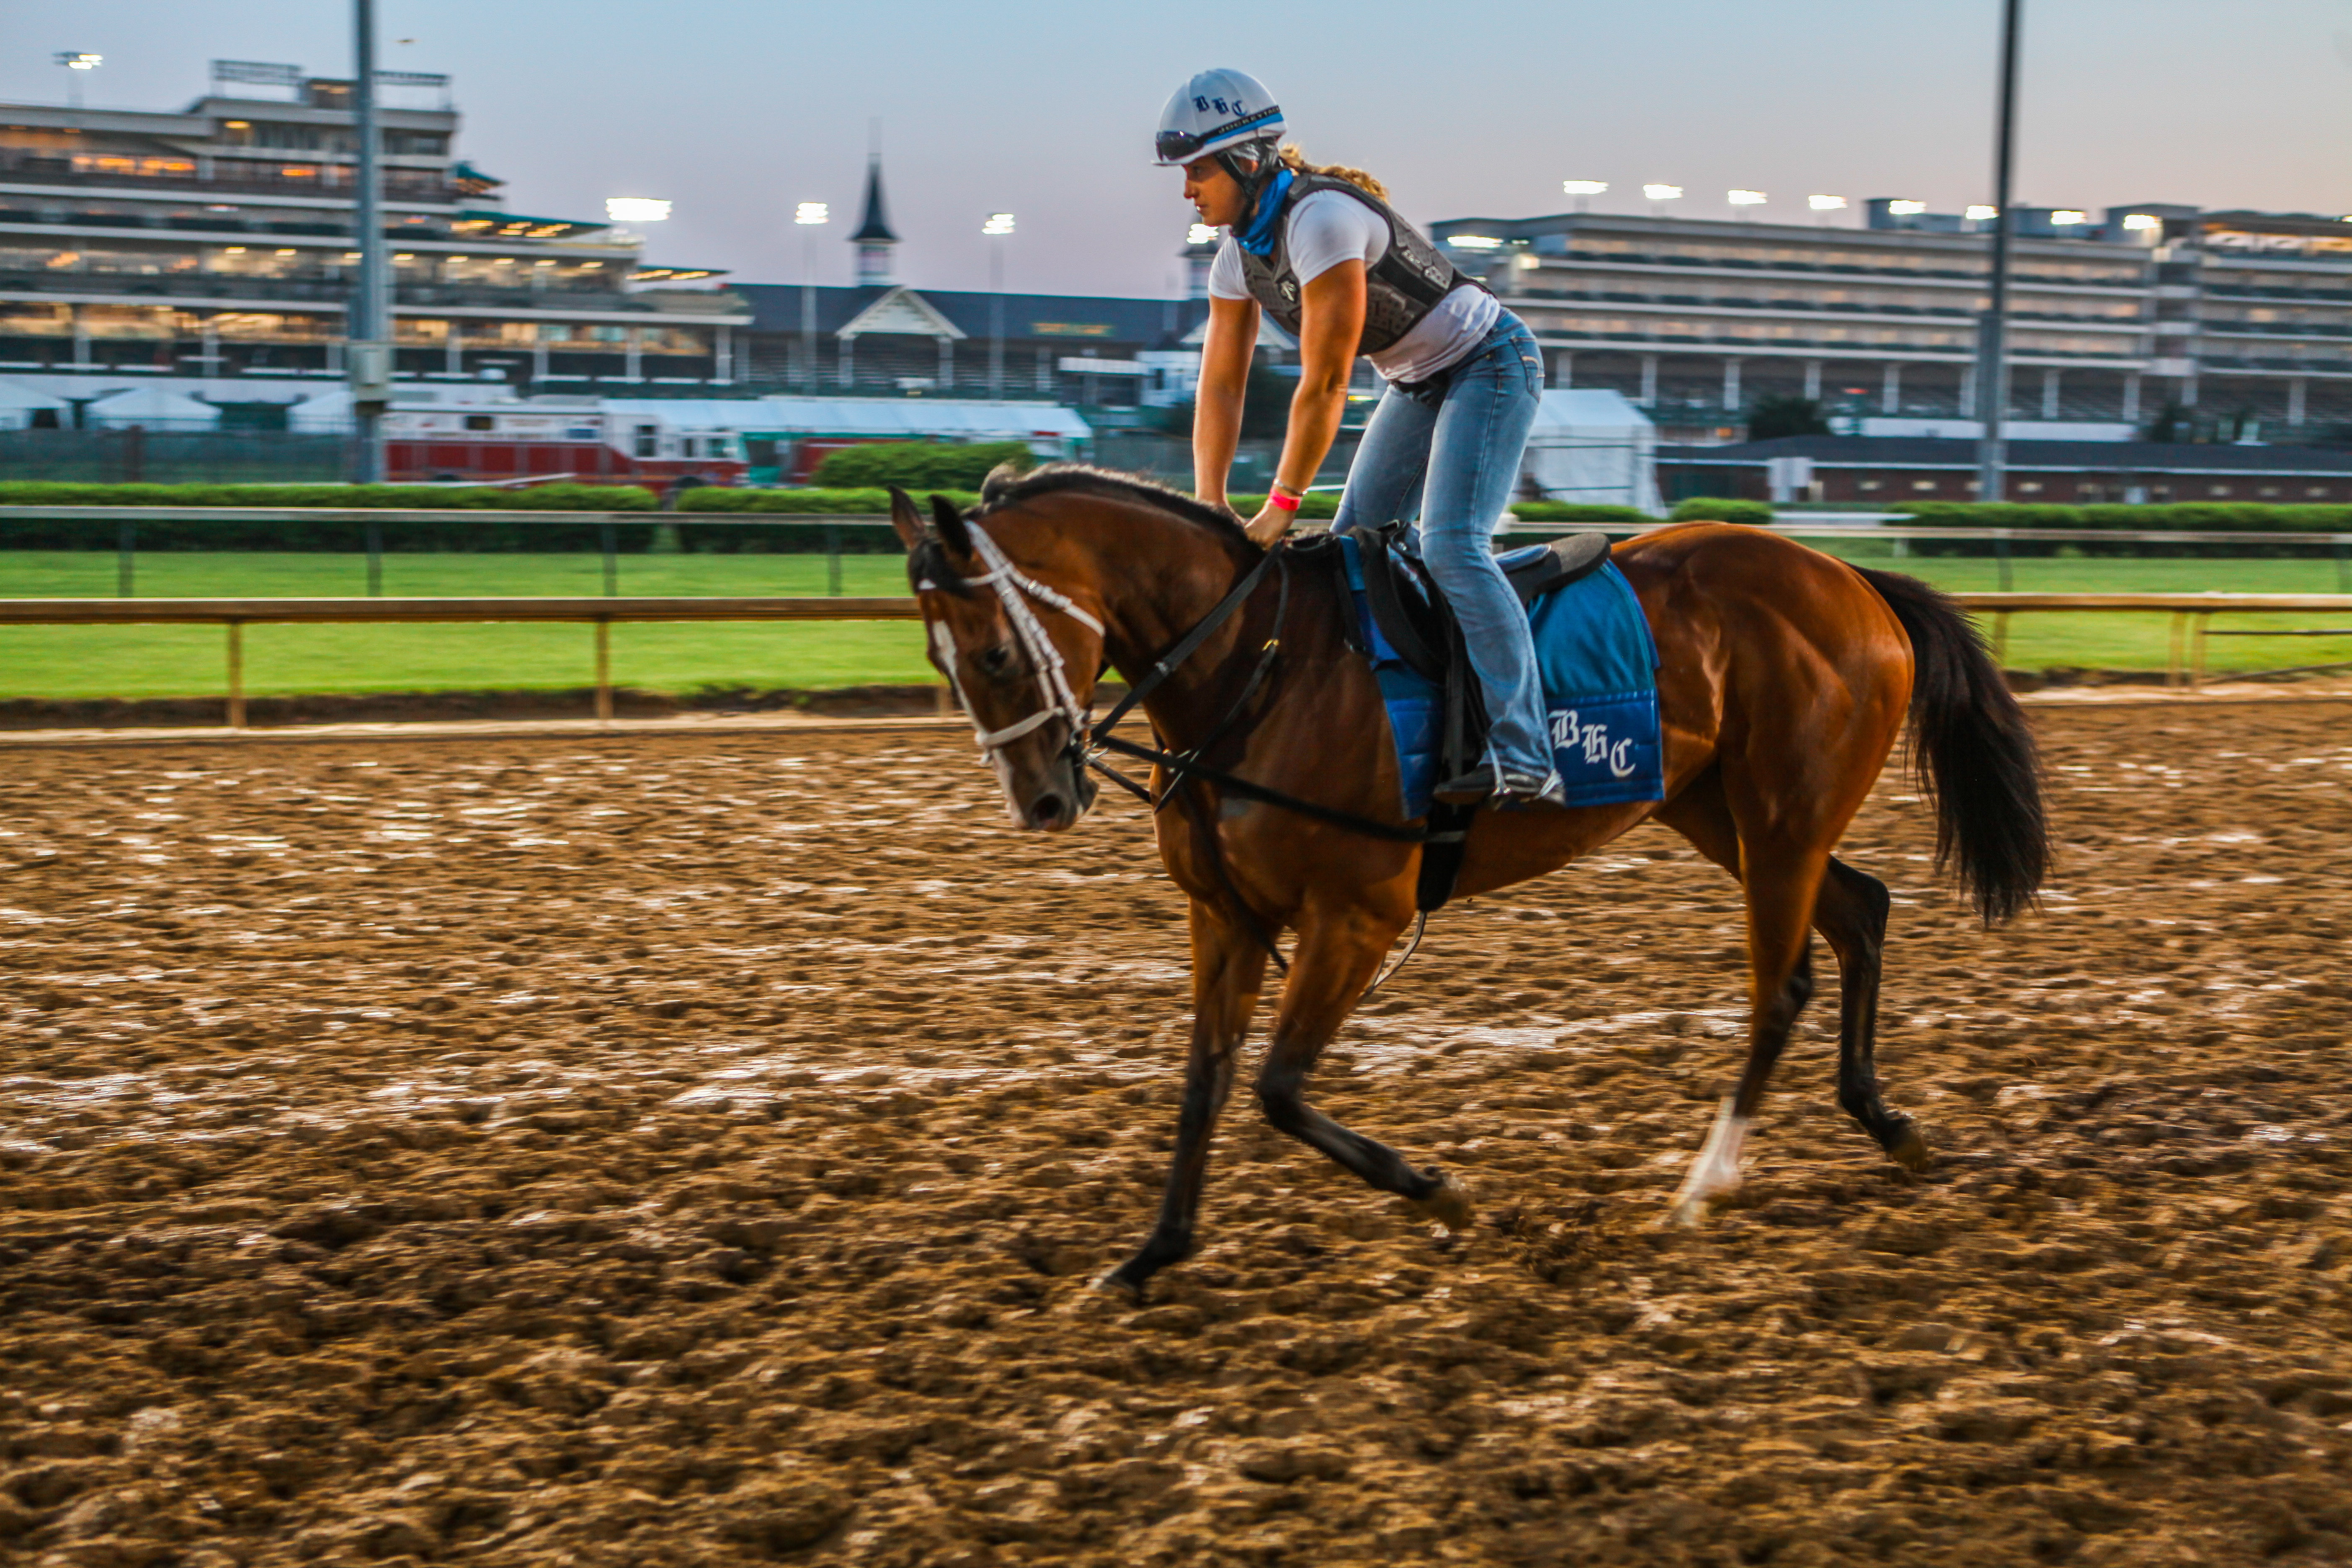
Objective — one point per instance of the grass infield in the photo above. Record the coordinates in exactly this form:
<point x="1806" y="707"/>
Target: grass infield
<point x="73" y="662"/>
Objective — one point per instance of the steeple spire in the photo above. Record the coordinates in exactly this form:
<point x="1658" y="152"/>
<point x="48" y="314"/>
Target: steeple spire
<point x="874" y="239"/>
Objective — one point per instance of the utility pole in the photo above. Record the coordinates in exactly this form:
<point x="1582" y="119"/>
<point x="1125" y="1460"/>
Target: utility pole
<point x="368" y="352"/>
<point x="1993" y="356"/>
<point x="998" y="227"/>
<point x="809" y="216"/>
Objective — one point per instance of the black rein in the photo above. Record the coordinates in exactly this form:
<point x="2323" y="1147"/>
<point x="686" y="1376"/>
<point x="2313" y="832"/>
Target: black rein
<point x="1188" y="764"/>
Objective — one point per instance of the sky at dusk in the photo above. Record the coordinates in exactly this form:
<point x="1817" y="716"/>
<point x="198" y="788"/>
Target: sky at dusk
<point x="736" y="109"/>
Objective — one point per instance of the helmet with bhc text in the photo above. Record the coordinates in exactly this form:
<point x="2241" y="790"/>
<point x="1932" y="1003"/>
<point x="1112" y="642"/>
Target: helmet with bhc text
<point x="1215" y="111"/>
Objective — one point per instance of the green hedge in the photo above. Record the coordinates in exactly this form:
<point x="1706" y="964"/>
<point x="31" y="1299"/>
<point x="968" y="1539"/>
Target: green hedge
<point x="2185" y="517"/>
<point x="543" y="498"/>
<point x="156" y="529"/>
<point x="1712" y="509"/>
<point x="1576" y="512"/>
<point x="809" y="502"/>
<point x="920" y="465"/>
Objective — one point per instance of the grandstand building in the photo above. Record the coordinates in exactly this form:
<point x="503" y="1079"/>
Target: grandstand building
<point x="2235" y="316"/>
<point x="216" y="243"/>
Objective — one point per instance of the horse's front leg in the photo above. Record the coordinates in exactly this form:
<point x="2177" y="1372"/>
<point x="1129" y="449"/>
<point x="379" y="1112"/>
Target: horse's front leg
<point x="1335" y="958"/>
<point x="1228" y="965"/>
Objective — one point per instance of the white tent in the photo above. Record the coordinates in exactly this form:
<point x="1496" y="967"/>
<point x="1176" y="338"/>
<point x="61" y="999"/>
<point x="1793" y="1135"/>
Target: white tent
<point x="1051" y="430"/>
<point x="155" y="407"/>
<point x="18" y="405"/>
<point x="1590" y="444"/>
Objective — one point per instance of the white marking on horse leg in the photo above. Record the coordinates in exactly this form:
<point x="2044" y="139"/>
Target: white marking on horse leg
<point x="1715" y="1174"/>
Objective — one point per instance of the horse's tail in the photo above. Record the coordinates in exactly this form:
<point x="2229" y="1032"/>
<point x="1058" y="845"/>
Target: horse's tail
<point x="1973" y="750"/>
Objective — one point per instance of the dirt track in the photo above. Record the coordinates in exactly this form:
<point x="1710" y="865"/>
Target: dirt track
<point x="692" y="1150"/>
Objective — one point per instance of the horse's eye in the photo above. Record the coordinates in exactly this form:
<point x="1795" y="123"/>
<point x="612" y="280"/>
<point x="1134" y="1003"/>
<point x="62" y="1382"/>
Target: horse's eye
<point x="997" y="660"/>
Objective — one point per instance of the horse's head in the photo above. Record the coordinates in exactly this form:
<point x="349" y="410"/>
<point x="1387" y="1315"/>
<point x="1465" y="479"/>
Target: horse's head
<point x="1020" y="655"/>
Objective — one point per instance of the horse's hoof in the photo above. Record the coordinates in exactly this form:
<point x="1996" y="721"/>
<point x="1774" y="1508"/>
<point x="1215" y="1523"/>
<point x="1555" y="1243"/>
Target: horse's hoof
<point x="1910" y="1151"/>
<point x="1449" y="1204"/>
<point x="1122" y="1281"/>
<point x="1690" y="1213"/>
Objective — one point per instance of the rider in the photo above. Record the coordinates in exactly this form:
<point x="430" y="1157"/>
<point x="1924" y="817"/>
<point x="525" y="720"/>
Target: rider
<point x="1318" y="250"/>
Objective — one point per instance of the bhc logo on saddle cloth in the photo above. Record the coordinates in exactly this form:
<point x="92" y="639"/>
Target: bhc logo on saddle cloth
<point x="1599" y="668"/>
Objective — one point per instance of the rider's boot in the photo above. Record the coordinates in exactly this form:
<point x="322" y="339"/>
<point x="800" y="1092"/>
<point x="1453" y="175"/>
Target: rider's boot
<point x="1492" y="784"/>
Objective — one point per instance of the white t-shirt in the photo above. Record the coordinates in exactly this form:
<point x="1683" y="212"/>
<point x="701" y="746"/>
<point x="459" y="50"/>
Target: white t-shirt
<point x="1326" y="227"/>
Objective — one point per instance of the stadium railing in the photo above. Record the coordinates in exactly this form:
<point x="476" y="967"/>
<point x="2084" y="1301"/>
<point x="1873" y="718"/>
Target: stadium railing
<point x="2191" y="616"/>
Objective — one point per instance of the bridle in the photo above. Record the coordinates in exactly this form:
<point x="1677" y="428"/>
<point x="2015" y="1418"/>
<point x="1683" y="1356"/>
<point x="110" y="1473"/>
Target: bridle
<point x="1088" y="740"/>
<point x="1015" y="589"/>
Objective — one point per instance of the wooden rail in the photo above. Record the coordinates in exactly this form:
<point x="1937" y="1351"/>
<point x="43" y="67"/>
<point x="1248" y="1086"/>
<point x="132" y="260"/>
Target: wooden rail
<point x="2192" y="614"/>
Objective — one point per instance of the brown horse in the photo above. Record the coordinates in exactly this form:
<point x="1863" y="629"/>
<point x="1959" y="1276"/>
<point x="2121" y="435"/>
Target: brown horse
<point x="1785" y="678"/>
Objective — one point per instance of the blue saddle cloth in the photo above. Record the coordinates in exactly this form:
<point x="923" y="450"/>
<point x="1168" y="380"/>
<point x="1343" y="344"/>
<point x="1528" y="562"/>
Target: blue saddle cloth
<point x="1601" y="692"/>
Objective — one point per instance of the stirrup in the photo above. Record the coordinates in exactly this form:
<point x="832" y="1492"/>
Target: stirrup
<point x="1480" y="783"/>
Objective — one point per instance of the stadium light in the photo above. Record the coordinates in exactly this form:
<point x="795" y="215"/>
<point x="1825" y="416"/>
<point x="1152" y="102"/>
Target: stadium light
<point x="1745" y="198"/>
<point x="1584" y="188"/>
<point x="1474" y="242"/>
<point x="635" y="209"/>
<point x="1826" y="204"/>
<point x="2066" y="217"/>
<point x="2139" y="221"/>
<point x="1907" y="209"/>
<point x="1981" y="214"/>
<point x="78" y="61"/>
<point x="997" y="223"/>
<point x="1663" y="193"/>
<point x="811" y="213"/>
<point x="1201" y="233"/>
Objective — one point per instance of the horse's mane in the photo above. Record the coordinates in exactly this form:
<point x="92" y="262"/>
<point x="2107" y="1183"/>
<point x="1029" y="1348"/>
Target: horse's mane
<point x="1003" y="488"/>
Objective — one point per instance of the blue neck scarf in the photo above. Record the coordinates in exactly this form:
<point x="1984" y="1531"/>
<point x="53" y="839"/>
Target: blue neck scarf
<point x="1257" y="238"/>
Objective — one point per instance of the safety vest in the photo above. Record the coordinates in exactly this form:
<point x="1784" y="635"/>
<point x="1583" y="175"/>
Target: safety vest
<point x="1405" y="285"/>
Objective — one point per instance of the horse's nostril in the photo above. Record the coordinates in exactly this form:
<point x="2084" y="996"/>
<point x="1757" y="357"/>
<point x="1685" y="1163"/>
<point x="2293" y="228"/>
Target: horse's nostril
<point x="1045" y="810"/>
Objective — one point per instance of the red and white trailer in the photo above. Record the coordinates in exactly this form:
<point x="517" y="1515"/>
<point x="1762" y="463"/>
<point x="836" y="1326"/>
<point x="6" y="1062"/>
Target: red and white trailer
<point x="508" y="441"/>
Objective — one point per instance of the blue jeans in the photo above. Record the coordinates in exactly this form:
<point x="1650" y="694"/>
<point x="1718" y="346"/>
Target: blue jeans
<point x="1456" y="461"/>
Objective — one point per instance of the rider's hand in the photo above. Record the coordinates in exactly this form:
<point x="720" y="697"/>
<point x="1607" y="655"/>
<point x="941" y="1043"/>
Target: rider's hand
<point x="1270" y="524"/>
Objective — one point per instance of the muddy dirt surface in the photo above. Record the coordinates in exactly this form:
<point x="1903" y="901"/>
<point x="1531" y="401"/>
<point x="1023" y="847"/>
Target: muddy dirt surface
<point x="696" y="1150"/>
<point x="396" y="707"/>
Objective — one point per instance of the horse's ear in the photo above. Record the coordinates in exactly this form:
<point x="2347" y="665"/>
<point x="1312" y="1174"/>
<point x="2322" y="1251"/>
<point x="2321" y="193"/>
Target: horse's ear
<point x="905" y="518"/>
<point x="952" y="525"/>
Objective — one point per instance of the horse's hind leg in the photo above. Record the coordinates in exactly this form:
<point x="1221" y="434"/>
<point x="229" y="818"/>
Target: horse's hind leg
<point x="1851" y="914"/>
<point x="1781" y="883"/>
<point x="1335" y="958"/>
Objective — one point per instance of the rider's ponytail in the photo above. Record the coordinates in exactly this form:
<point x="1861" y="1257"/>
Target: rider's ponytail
<point x="1295" y="162"/>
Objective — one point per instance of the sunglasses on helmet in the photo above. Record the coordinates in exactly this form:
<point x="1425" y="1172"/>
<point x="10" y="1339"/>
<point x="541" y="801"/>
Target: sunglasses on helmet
<point x="1182" y="146"/>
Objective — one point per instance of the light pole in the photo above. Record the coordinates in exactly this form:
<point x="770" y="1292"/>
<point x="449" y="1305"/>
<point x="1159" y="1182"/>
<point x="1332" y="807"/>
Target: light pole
<point x="1824" y="205"/>
<point x="368" y="352"/>
<point x="998" y="227"/>
<point x="76" y="62"/>
<point x="811" y="216"/>
<point x="1656" y="194"/>
<point x="1992" y="359"/>
<point x="1743" y="200"/>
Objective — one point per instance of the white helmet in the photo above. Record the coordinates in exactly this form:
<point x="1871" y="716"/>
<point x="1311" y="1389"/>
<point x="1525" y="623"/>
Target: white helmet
<point x="1214" y="111"/>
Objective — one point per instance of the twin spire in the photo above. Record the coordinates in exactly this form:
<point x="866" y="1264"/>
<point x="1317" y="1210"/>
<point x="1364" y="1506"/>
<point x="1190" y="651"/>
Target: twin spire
<point x="874" y="238"/>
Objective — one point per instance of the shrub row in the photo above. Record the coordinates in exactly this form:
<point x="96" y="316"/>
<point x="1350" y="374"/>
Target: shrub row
<point x="2186" y="516"/>
<point x="807" y="502"/>
<point x="920" y="465"/>
<point x="469" y="498"/>
<point x="1715" y="509"/>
